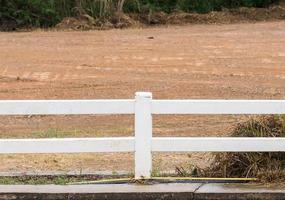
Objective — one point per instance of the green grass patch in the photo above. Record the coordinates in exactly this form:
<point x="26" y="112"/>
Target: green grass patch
<point x="45" y="180"/>
<point x="67" y="133"/>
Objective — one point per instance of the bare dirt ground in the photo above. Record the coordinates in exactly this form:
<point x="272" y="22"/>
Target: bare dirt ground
<point x="239" y="61"/>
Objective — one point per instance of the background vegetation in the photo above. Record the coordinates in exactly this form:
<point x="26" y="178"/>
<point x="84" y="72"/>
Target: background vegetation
<point x="46" y="13"/>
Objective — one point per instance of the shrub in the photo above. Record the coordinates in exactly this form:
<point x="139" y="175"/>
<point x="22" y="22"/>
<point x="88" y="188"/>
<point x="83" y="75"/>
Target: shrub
<point x="30" y="12"/>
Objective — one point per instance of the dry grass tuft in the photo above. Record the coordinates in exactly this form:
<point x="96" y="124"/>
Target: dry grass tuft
<point x="268" y="167"/>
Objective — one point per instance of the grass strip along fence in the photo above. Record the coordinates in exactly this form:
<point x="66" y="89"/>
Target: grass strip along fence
<point x="47" y="13"/>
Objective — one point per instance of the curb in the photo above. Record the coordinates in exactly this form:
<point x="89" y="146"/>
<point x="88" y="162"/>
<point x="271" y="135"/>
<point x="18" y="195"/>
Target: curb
<point x="239" y="191"/>
<point x="187" y="191"/>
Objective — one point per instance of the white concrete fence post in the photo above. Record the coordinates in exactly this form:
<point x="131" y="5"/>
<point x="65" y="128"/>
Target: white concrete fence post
<point x="143" y="135"/>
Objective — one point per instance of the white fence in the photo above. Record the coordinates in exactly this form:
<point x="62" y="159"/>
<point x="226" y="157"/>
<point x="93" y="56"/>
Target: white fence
<point x="143" y="144"/>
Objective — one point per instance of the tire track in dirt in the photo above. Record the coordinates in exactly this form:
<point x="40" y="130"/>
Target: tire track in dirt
<point x="54" y="76"/>
<point x="44" y="76"/>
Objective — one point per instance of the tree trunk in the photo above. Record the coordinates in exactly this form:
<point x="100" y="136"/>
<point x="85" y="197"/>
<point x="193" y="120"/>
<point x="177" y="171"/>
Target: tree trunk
<point x="120" y="6"/>
<point x="79" y="8"/>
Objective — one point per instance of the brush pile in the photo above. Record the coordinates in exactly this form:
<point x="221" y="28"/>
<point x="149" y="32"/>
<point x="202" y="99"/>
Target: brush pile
<point x="267" y="167"/>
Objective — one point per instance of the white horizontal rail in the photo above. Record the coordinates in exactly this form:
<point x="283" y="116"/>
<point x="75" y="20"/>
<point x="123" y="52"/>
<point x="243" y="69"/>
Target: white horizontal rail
<point x="218" y="106"/>
<point x="218" y="144"/>
<point x="66" y="107"/>
<point x="127" y="144"/>
<point x="143" y="106"/>
<point x="79" y="107"/>
<point x="69" y="145"/>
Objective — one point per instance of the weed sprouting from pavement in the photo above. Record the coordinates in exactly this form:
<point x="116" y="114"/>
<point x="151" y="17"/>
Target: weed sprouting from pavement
<point x="42" y="180"/>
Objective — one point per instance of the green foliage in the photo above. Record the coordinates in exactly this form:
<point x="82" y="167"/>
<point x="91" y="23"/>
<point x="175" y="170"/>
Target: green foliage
<point x="46" y="13"/>
<point x="45" y="180"/>
<point x="132" y="6"/>
<point x="29" y="12"/>
<point x="162" y="5"/>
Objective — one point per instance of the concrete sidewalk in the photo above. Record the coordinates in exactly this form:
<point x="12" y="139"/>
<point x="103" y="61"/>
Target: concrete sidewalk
<point x="134" y="191"/>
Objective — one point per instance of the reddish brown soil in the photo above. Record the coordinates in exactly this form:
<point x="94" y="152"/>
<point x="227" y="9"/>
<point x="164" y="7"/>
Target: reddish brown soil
<point x="241" y="61"/>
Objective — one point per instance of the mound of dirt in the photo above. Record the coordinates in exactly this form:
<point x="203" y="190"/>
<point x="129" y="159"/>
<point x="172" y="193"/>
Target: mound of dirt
<point x="194" y="18"/>
<point x="71" y="23"/>
<point x="259" y="14"/>
<point x="86" y="22"/>
<point x="229" y="16"/>
<point x="148" y="18"/>
<point x="120" y="20"/>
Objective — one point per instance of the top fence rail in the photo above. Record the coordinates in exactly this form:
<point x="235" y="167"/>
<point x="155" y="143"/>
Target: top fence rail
<point x="66" y="107"/>
<point x="218" y="106"/>
<point x="127" y="106"/>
